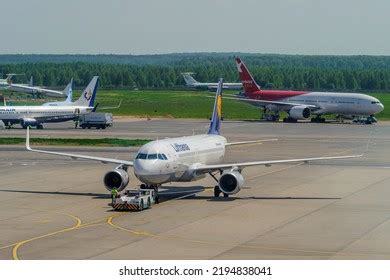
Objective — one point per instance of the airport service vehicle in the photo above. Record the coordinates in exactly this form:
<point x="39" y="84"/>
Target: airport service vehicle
<point x="184" y="159"/>
<point x="37" y="115"/>
<point x="301" y="105"/>
<point x="135" y="200"/>
<point x="97" y="120"/>
<point x="192" y="83"/>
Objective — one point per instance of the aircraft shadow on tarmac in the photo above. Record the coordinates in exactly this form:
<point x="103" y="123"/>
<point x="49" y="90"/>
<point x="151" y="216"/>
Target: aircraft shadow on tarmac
<point x="166" y="193"/>
<point x="232" y="198"/>
<point x="93" y="195"/>
<point x="169" y="193"/>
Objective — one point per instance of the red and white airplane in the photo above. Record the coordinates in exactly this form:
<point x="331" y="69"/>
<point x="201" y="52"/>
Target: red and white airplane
<point x="300" y="105"/>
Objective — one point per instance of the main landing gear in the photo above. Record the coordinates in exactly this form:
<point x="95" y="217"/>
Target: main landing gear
<point x="317" y="119"/>
<point x="290" y="120"/>
<point x="217" y="190"/>
<point x="271" y="116"/>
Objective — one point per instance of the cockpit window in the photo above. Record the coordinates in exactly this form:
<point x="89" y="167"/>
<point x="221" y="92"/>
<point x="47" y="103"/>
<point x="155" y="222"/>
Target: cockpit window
<point x="375" y="102"/>
<point x="141" y="156"/>
<point x="162" y="157"/>
<point x="152" y="156"/>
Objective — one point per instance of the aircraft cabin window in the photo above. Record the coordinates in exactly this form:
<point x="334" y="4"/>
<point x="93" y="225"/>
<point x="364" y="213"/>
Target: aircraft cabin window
<point x="152" y="156"/>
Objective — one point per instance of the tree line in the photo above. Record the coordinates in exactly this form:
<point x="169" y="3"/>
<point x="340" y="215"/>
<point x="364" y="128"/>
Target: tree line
<point x="359" y="73"/>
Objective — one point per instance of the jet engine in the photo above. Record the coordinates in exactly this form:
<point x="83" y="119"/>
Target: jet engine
<point x="29" y="122"/>
<point x="300" y="112"/>
<point x="117" y="178"/>
<point x="231" y="182"/>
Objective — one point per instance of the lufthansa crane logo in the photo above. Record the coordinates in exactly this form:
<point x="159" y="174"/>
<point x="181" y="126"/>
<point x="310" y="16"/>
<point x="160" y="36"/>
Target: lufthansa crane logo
<point x="180" y="147"/>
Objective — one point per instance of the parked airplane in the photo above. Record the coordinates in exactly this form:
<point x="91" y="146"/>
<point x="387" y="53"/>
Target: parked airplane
<point x="68" y="101"/>
<point x="183" y="159"/>
<point x="5" y="83"/>
<point x="300" y="105"/>
<point x="37" y="115"/>
<point x="192" y="83"/>
<point x="34" y="90"/>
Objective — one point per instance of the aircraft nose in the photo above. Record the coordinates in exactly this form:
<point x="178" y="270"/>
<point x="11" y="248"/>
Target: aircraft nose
<point x="381" y="107"/>
<point x="145" y="167"/>
<point x="140" y="166"/>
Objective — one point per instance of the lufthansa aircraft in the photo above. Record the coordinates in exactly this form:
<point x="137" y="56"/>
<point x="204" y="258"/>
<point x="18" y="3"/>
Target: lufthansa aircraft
<point x="37" y="115"/>
<point x="300" y="105"/>
<point x="184" y="159"/>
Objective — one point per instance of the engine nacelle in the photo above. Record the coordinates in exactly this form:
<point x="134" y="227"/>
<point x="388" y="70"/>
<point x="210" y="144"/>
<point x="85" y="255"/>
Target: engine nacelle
<point x="29" y="121"/>
<point x="231" y="182"/>
<point x="300" y="112"/>
<point x="117" y="178"/>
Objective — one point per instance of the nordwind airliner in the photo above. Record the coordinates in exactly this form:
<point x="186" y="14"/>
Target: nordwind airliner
<point x="301" y="105"/>
<point x="184" y="159"/>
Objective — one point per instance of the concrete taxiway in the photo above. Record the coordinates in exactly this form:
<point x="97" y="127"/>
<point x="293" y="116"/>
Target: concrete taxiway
<point x="56" y="208"/>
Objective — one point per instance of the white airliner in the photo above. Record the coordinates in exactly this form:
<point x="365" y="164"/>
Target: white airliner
<point x="68" y="101"/>
<point x="300" y="105"/>
<point x="192" y="83"/>
<point x="6" y="84"/>
<point x="183" y="159"/>
<point x="34" y="90"/>
<point x="37" y="115"/>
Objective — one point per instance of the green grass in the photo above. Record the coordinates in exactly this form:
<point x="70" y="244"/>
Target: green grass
<point x="104" y="142"/>
<point x="183" y="104"/>
<point x="158" y="103"/>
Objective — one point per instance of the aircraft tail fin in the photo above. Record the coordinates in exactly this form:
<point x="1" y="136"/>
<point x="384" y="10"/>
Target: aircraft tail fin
<point x="249" y="84"/>
<point x="68" y="91"/>
<point x="217" y="112"/>
<point x="31" y="82"/>
<point x="189" y="79"/>
<point x="87" y="98"/>
<point x="9" y="78"/>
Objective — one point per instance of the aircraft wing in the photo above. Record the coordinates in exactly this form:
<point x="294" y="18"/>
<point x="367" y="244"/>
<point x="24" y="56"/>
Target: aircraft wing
<point x="278" y="103"/>
<point x="241" y="165"/>
<point x="249" y="142"/>
<point x="32" y="89"/>
<point x="75" y="156"/>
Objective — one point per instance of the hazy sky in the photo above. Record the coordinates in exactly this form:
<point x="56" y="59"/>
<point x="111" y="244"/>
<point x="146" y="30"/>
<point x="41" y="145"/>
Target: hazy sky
<point x="166" y="26"/>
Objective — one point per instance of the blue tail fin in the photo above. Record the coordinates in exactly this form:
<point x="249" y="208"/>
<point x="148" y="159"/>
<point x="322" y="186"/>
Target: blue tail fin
<point x="217" y="112"/>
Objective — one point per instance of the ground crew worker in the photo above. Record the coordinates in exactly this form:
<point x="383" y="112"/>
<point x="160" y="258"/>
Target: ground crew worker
<point x="114" y="194"/>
